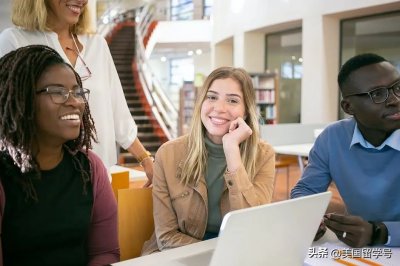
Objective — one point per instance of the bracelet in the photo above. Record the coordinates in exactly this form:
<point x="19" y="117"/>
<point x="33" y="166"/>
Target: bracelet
<point x="144" y="156"/>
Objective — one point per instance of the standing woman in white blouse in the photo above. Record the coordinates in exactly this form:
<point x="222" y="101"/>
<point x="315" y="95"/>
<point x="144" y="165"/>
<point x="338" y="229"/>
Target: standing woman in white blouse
<point x="64" y="26"/>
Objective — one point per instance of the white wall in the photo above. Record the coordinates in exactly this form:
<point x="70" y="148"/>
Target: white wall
<point x="202" y="63"/>
<point x="5" y="14"/>
<point x="320" y="21"/>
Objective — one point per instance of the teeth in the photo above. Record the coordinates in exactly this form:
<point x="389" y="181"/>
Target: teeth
<point x="70" y="117"/>
<point x="75" y="9"/>
<point x="218" y="120"/>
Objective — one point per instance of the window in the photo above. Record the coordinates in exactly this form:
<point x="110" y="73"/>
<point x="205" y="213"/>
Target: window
<point x="207" y="8"/>
<point x="283" y="52"/>
<point x="181" y="70"/>
<point x="182" y="9"/>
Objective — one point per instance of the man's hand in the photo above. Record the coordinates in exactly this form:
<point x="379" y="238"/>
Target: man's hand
<point x="352" y="230"/>
<point x="321" y="231"/>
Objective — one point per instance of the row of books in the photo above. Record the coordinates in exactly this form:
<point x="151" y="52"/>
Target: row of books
<point x="267" y="111"/>
<point x="265" y="96"/>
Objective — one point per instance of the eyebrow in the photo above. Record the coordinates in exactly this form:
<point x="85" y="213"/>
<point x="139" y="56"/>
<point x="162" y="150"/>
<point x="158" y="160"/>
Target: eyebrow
<point x="383" y="86"/>
<point x="229" y="94"/>
<point x="59" y="85"/>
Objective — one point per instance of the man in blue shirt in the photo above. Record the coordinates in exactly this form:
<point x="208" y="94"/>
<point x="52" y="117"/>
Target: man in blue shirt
<point x="361" y="155"/>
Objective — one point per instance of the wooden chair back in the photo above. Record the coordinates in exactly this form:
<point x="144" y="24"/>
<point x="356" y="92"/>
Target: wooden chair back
<point x="135" y="220"/>
<point x="119" y="180"/>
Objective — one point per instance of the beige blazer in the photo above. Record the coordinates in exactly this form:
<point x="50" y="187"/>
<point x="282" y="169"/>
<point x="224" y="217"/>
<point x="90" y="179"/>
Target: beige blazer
<point x="180" y="211"/>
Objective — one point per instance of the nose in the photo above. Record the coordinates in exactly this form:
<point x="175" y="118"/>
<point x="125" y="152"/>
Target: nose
<point x="72" y="99"/>
<point x="392" y="98"/>
<point x="220" y="106"/>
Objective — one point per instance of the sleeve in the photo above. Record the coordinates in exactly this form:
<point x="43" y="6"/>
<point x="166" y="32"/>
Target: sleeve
<point x="316" y="176"/>
<point x="165" y="220"/>
<point x="8" y="42"/>
<point x="394" y="233"/>
<point x="103" y="246"/>
<point x="124" y="125"/>
<point x="243" y="192"/>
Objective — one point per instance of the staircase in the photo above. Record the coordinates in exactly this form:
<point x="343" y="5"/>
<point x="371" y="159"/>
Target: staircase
<point x="122" y="47"/>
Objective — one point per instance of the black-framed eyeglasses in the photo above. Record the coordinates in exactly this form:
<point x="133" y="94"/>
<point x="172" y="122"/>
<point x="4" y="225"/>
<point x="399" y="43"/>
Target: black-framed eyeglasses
<point x="381" y="94"/>
<point x="86" y="73"/>
<point x="61" y="95"/>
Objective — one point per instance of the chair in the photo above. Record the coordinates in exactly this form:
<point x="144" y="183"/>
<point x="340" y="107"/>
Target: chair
<point x="135" y="220"/>
<point x="285" y="162"/>
<point x="119" y="180"/>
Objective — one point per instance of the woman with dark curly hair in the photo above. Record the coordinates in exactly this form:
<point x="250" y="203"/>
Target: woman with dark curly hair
<point x="56" y="202"/>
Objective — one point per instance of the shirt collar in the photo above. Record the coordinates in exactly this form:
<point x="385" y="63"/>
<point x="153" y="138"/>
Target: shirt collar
<point x="392" y="141"/>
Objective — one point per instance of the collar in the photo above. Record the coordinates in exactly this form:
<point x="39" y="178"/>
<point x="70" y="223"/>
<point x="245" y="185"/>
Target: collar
<point x="392" y="141"/>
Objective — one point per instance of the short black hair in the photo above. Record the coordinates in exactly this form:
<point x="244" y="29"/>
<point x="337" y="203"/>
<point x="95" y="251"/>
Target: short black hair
<point x="355" y="63"/>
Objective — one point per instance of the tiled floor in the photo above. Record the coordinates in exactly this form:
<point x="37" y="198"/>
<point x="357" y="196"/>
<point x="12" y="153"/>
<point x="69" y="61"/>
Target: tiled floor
<point x="336" y="204"/>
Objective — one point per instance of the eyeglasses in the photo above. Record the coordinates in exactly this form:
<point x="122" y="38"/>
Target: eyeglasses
<point x="86" y="71"/>
<point x="61" y="95"/>
<point x="381" y="94"/>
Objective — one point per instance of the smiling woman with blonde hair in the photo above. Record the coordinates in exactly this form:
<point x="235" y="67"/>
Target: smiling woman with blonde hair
<point x="220" y="166"/>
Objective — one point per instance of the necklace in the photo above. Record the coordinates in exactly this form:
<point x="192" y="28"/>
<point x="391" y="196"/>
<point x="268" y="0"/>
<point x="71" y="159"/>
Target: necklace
<point x="76" y="46"/>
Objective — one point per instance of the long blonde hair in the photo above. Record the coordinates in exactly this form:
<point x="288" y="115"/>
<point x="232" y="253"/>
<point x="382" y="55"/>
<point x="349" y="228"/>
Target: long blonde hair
<point x="33" y="15"/>
<point x="195" y="164"/>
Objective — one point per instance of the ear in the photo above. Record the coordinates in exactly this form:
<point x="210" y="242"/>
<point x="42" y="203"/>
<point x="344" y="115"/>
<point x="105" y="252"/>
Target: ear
<point x="347" y="107"/>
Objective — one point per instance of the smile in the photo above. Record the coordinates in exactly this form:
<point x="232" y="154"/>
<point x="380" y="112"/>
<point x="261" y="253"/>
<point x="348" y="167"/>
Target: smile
<point x="70" y="117"/>
<point x="218" y="121"/>
<point x="74" y="9"/>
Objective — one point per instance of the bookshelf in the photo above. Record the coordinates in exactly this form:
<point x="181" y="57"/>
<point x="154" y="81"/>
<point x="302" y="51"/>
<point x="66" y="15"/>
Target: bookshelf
<point x="266" y="92"/>
<point x="187" y="98"/>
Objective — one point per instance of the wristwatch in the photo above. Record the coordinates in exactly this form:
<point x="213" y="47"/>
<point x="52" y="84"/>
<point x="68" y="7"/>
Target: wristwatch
<point x="377" y="230"/>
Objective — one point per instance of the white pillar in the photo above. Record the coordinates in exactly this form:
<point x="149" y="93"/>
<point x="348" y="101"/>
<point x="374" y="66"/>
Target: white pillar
<point x="319" y="91"/>
<point x="238" y="48"/>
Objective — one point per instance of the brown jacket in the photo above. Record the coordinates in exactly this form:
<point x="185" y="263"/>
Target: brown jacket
<point x="180" y="211"/>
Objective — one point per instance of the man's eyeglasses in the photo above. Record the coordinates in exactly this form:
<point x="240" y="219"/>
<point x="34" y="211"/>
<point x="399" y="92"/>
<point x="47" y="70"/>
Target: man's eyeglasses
<point x="86" y="73"/>
<point x="61" y="95"/>
<point x="381" y="94"/>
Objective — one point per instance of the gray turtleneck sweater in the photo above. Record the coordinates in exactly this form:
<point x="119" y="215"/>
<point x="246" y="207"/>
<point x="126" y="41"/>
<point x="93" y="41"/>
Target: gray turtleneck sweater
<point x="216" y="166"/>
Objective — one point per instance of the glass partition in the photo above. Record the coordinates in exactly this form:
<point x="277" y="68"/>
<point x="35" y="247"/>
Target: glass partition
<point x="283" y="56"/>
<point x="378" y="34"/>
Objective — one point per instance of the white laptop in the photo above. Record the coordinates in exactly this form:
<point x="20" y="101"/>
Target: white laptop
<point x="277" y="234"/>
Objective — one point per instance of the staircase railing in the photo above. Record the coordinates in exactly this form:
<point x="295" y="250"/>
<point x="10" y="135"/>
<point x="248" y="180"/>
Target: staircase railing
<point x="161" y="106"/>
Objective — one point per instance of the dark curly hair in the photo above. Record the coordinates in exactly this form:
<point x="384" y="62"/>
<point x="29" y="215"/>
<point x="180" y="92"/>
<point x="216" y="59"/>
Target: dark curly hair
<point x="20" y="71"/>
